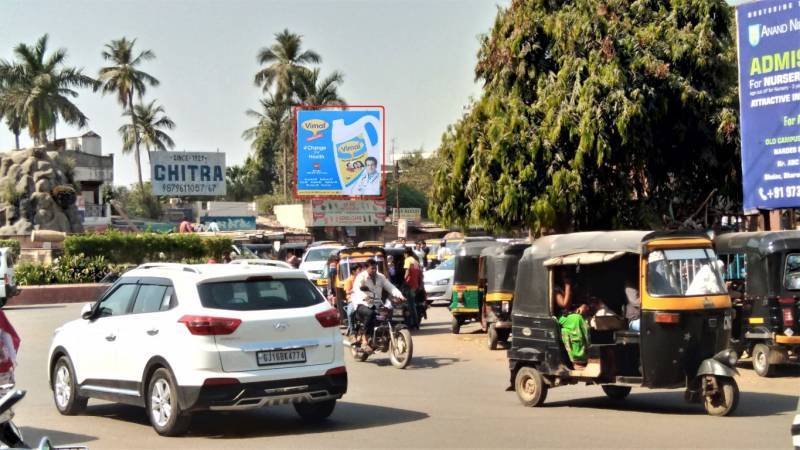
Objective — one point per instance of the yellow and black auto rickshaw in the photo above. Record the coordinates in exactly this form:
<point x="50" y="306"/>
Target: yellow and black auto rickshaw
<point x="685" y="320"/>
<point x="360" y="255"/>
<point x="497" y="278"/>
<point x="762" y="270"/>
<point x="467" y="298"/>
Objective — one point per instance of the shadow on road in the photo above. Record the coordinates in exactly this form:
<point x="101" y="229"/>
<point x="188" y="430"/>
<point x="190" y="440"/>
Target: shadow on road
<point x="751" y="404"/>
<point x="20" y="308"/>
<point x="417" y="362"/>
<point x="33" y="435"/>
<point x="275" y="421"/>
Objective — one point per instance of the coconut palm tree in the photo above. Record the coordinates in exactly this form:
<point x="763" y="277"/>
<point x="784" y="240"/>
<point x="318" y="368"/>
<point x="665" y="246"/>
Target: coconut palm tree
<point x="270" y="137"/>
<point x="149" y="121"/>
<point x="285" y="61"/>
<point x="126" y="80"/>
<point x="311" y="90"/>
<point x="38" y="88"/>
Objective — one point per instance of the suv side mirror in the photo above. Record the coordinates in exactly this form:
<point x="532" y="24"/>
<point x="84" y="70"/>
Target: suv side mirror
<point x="86" y="311"/>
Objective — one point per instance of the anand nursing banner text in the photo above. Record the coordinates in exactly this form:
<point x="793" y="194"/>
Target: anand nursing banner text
<point x="769" y="95"/>
<point x="339" y="153"/>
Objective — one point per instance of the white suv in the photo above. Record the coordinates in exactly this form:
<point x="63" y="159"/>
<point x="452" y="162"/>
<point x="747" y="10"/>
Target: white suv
<point x="177" y="338"/>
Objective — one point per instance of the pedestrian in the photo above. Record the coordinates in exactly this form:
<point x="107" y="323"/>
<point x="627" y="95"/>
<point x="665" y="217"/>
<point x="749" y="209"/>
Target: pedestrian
<point x="185" y="226"/>
<point x="411" y="284"/>
<point x="212" y="227"/>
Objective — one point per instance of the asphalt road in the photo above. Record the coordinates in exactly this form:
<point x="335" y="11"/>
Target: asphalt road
<point x="453" y="395"/>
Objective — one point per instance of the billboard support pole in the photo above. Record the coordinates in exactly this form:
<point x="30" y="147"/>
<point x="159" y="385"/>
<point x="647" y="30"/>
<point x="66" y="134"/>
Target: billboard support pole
<point x="396" y="174"/>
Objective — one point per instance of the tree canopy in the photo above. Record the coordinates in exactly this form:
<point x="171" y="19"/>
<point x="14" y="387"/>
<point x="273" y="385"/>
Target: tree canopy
<point x="596" y="114"/>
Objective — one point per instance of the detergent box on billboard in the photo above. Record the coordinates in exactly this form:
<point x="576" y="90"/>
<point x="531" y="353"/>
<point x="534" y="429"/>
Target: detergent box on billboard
<point x="339" y="153"/>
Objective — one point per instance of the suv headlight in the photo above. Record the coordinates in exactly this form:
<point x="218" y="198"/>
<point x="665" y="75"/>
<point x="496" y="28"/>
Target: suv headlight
<point x="444" y="282"/>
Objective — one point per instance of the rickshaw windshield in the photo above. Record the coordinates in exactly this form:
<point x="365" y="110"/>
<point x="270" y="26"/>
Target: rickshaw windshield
<point x="684" y="273"/>
<point x="791" y="278"/>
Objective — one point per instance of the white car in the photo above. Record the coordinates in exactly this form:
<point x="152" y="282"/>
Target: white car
<point x="263" y="263"/>
<point x="176" y="339"/>
<point x="314" y="261"/>
<point x="439" y="281"/>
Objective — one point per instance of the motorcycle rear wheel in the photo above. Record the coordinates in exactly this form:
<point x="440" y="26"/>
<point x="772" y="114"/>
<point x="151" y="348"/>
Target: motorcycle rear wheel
<point x="401" y="350"/>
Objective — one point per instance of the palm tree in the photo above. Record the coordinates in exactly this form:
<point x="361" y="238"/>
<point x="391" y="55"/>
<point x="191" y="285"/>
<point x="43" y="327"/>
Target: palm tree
<point x="286" y="61"/>
<point x="149" y="121"/>
<point x="126" y="81"/>
<point x="270" y="136"/>
<point x="239" y="179"/>
<point x="13" y="120"/>
<point x="38" y="88"/>
<point x="312" y="91"/>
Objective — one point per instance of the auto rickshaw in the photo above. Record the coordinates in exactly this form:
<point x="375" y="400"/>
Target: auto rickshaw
<point x="352" y="255"/>
<point x="685" y="320"/>
<point x="432" y="257"/>
<point x="762" y="270"/>
<point x="467" y="298"/>
<point x="498" y="276"/>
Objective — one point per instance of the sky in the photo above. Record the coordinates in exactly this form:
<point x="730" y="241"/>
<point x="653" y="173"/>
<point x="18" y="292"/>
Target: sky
<point x="415" y="57"/>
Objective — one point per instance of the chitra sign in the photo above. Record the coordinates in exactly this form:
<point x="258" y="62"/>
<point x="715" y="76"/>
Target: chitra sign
<point x="187" y="174"/>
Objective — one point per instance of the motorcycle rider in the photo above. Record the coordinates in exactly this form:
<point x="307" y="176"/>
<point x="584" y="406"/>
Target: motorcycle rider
<point x="367" y="290"/>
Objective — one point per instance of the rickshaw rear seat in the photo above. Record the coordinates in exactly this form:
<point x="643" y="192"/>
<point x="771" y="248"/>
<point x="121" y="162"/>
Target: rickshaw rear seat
<point x="626" y="337"/>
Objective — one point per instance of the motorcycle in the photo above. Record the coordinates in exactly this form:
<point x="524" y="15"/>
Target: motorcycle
<point x="10" y="434"/>
<point x="386" y="337"/>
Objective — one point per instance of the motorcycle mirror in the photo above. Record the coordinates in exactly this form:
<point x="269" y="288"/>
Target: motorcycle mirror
<point x="87" y="310"/>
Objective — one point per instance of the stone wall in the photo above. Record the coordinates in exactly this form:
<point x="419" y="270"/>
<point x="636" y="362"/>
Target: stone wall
<point x="35" y="193"/>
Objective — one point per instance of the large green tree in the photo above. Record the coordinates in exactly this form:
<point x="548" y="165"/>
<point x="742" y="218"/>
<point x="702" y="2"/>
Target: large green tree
<point x="149" y="122"/>
<point x="595" y="114"/>
<point x="37" y="88"/>
<point x="126" y="80"/>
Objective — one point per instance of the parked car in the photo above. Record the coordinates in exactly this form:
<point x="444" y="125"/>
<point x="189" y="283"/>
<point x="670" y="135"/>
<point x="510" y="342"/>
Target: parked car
<point x="8" y="288"/>
<point x="439" y="282"/>
<point x="314" y="261"/>
<point x="177" y="338"/>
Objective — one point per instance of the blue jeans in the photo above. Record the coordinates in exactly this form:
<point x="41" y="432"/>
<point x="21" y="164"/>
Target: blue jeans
<point x="634" y="325"/>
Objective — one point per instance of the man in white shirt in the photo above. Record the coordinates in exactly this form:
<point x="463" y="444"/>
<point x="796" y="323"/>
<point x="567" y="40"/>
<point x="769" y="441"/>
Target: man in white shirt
<point x="443" y="253"/>
<point x="367" y="291"/>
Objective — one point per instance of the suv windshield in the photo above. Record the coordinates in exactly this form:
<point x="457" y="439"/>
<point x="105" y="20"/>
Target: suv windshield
<point x="319" y="254"/>
<point x="258" y="295"/>
<point x="684" y="272"/>
<point x="791" y="279"/>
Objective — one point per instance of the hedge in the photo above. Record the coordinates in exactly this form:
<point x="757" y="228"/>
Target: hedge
<point x="14" y="244"/>
<point x="136" y="248"/>
<point x="64" y="270"/>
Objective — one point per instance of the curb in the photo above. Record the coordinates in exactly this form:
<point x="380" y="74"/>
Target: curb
<point x="58" y="293"/>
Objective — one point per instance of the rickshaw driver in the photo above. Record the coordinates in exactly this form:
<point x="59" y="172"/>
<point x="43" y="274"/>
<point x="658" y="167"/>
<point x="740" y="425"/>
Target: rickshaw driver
<point x="574" y="330"/>
<point x="367" y="287"/>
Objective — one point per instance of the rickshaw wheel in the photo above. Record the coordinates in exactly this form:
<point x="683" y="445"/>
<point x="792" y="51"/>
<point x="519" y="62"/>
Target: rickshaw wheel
<point x="491" y="337"/>
<point x="616" y="392"/>
<point x="530" y="386"/>
<point x="455" y="325"/>
<point x="725" y="401"/>
<point x="761" y="363"/>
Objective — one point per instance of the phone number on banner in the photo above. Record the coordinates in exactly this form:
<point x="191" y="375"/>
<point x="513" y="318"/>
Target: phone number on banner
<point x="188" y="188"/>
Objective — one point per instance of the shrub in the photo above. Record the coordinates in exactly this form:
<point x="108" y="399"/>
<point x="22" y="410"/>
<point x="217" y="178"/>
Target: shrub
<point x="136" y="248"/>
<point x="13" y="244"/>
<point x="64" y="270"/>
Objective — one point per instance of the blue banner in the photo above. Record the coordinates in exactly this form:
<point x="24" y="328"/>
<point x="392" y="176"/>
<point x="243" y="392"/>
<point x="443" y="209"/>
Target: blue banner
<point x="339" y="153"/>
<point x="231" y="223"/>
<point x="769" y="97"/>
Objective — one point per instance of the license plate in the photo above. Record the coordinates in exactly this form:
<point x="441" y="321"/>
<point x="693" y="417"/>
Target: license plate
<point x="274" y="357"/>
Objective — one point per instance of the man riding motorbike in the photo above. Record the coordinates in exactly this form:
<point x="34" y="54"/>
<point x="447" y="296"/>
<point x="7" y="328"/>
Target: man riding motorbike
<point x="368" y="288"/>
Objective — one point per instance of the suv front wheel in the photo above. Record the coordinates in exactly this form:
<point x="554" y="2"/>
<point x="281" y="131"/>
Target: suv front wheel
<point x="162" y="405"/>
<point x="65" y="389"/>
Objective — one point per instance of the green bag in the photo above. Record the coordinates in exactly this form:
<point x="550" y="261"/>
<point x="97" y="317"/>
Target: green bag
<point x="575" y="335"/>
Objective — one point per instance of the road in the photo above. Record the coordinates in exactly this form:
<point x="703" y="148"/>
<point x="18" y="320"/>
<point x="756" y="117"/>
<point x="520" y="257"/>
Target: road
<point x="453" y="395"/>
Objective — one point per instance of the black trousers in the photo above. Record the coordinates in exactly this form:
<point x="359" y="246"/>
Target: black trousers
<point x="366" y="316"/>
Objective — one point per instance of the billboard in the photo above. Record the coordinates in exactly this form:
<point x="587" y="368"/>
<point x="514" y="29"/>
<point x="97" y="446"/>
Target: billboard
<point x="339" y="153"/>
<point x="768" y="34"/>
<point x="347" y="213"/>
<point x="187" y="173"/>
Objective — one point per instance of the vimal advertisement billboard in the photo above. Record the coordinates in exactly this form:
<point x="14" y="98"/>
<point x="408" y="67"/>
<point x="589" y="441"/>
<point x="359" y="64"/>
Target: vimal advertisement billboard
<point x="339" y="153"/>
<point x="769" y="99"/>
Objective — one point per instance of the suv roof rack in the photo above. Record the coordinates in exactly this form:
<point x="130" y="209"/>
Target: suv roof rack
<point x="178" y="266"/>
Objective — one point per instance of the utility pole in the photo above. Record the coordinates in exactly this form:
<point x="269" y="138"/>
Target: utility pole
<point x="396" y="179"/>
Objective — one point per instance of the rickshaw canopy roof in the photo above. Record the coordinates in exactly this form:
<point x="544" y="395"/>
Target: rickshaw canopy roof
<point x="499" y="266"/>
<point x="761" y="242"/>
<point x="474" y="248"/>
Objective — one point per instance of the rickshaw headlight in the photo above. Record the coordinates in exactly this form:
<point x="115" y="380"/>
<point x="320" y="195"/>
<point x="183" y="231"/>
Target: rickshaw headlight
<point x="505" y="306"/>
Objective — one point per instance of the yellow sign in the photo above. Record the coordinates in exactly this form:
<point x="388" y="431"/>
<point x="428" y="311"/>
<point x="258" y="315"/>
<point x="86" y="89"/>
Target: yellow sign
<point x="316" y="127"/>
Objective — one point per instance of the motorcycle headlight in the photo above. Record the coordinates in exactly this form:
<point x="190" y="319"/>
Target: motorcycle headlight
<point x="444" y="282"/>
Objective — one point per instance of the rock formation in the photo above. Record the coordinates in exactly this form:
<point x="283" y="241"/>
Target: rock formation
<point x="35" y="193"/>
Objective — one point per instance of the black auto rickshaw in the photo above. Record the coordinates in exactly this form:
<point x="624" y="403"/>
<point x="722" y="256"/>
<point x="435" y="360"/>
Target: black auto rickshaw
<point x="353" y="255"/>
<point x="467" y="300"/>
<point x="685" y="320"/>
<point x="762" y="270"/>
<point x="497" y="278"/>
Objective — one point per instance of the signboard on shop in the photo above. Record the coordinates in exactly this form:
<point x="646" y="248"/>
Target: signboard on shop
<point x="180" y="174"/>
<point x="347" y="213"/>
<point x="769" y="101"/>
<point x="413" y="215"/>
